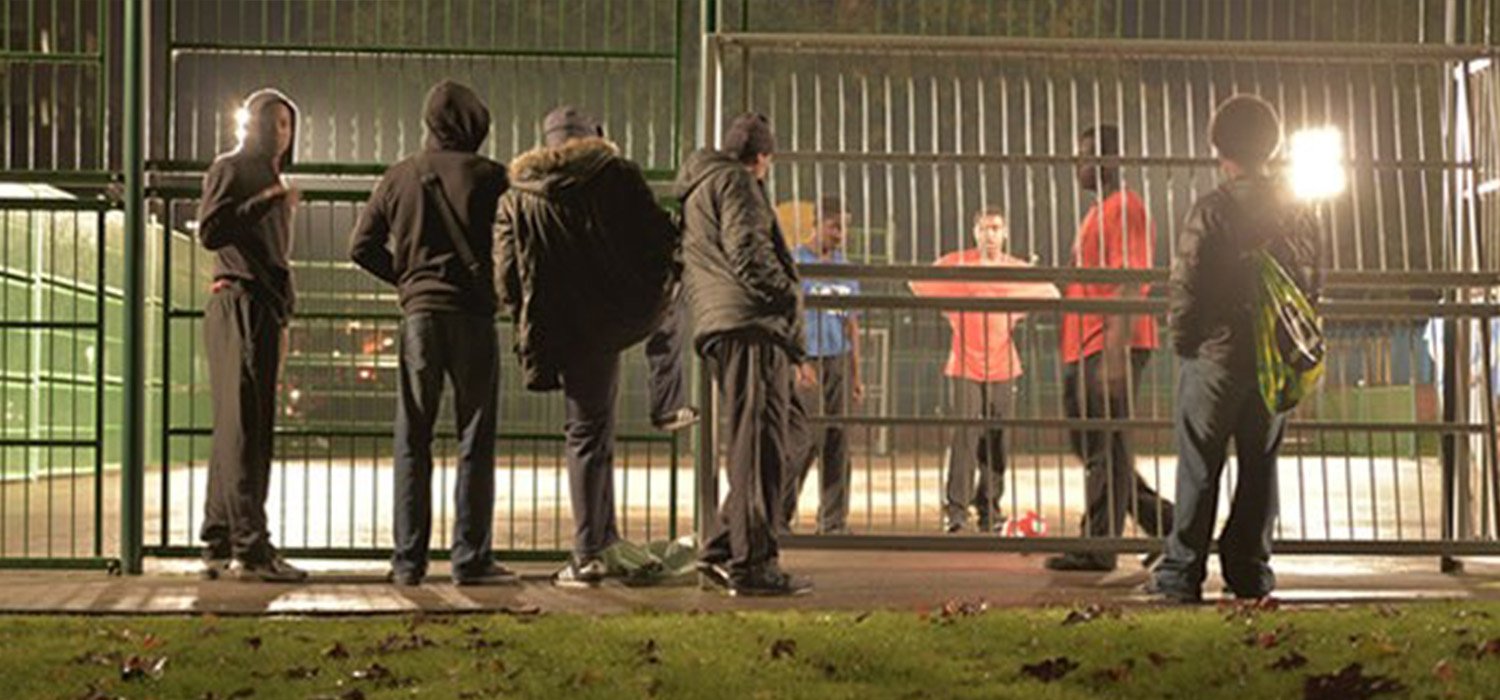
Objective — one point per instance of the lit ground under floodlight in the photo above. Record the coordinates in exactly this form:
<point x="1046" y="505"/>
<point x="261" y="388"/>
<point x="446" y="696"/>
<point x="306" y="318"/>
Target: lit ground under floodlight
<point x="1317" y="163"/>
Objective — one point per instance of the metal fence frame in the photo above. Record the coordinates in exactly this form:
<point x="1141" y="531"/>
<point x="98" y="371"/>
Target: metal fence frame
<point x="728" y="62"/>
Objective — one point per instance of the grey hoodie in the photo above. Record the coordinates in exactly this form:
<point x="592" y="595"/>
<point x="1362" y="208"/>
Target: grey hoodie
<point x="400" y="236"/>
<point x="249" y="232"/>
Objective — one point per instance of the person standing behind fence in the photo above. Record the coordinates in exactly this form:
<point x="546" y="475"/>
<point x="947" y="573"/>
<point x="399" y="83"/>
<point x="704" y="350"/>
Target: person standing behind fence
<point x="981" y="366"/>
<point x="833" y="364"/>
<point x="245" y="219"/>
<point x="745" y="295"/>
<point x="1105" y="356"/>
<point x="427" y="229"/>
<point x="587" y="263"/>
<point x="1214" y="290"/>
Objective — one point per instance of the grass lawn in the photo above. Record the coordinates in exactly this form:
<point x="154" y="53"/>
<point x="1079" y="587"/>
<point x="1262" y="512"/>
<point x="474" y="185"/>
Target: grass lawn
<point x="1429" y="650"/>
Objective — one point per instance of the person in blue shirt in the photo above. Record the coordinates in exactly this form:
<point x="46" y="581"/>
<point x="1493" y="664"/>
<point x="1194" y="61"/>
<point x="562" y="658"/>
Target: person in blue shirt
<point x="827" y="383"/>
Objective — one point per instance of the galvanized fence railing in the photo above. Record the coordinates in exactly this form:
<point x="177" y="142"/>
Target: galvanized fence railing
<point x="1363" y="468"/>
<point x="59" y="392"/>
<point x="332" y="478"/>
<point x="911" y="136"/>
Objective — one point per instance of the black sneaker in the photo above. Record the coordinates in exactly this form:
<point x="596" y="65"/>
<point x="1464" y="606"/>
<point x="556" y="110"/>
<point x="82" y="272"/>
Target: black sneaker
<point x="403" y="578"/>
<point x="493" y="575"/>
<point x="768" y="581"/>
<point x="273" y="569"/>
<point x="953" y="527"/>
<point x="684" y="417"/>
<point x="585" y="574"/>
<point x="715" y="573"/>
<point x="1079" y="562"/>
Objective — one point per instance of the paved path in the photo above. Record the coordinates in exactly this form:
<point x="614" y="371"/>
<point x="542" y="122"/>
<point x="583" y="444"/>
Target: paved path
<point x="846" y="580"/>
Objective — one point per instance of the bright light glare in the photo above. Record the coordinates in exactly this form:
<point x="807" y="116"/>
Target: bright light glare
<point x="1317" y="163"/>
<point x="241" y="123"/>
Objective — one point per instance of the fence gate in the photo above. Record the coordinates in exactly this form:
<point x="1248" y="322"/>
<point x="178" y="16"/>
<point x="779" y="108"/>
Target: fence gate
<point x="60" y="270"/>
<point x="915" y="129"/>
<point x="358" y="72"/>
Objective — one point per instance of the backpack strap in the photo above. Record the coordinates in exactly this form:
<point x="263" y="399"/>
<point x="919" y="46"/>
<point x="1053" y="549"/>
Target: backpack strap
<point x="432" y="187"/>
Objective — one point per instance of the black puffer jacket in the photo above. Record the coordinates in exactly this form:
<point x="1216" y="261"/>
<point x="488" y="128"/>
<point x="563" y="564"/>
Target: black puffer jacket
<point x="587" y="260"/>
<point x="738" y="272"/>
<point x="1215" y="281"/>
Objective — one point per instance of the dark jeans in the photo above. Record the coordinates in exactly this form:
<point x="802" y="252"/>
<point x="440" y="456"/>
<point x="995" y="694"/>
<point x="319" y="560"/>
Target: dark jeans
<point x="664" y="359"/>
<point x="590" y="384"/>
<point x="971" y="447"/>
<point x="1213" y="405"/>
<point x="461" y="348"/>
<point x="243" y="338"/>
<point x="1113" y="487"/>
<point x="753" y="395"/>
<point x="808" y="442"/>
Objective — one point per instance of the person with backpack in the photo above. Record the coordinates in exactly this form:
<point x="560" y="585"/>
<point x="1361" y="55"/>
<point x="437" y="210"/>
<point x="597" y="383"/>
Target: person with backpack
<point x="245" y="219"/>
<point x="587" y="262"/>
<point x="428" y="230"/>
<point x="1217" y="290"/>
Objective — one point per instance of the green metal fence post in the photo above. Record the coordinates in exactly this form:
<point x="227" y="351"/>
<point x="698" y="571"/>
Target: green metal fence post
<point x="133" y="454"/>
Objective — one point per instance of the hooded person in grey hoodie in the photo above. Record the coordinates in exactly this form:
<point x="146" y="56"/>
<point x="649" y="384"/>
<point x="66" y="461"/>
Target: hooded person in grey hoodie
<point x="245" y="219"/>
<point x="428" y="230"/>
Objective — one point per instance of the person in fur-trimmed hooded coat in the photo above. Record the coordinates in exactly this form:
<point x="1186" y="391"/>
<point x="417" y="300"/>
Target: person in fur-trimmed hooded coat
<point x="587" y="264"/>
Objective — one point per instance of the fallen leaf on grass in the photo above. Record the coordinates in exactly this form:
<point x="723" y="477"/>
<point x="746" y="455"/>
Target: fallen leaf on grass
<point x="862" y="617"/>
<point x="955" y="608"/>
<point x="1490" y="648"/>
<point x="402" y="642"/>
<point x="1158" y="659"/>
<point x="1050" y="669"/>
<point x="91" y="692"/>
<point x="1090" y="613"/>
<point x="650" y="652"/>
<point x="337" y="651"/>
<point x="300" y="673"/>
<point x="1116" y="674"/>
<point x="253" y="642"/>
<point x="783" y="649"/>
<point x="1443" y="670"/>
<point x="1349" y="683"/>
<point x="373" y="672"/>
<point x="151" y="641"/>
<point x="97" y="658"/>
<point x="1288" y="662"/>
<point x="137" y="667"/>
<point x="481" y="643"/>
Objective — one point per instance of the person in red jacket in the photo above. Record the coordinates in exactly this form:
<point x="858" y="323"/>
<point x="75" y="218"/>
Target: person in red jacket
<point x="1104" y="356"/>
<point x="981" y="365"/>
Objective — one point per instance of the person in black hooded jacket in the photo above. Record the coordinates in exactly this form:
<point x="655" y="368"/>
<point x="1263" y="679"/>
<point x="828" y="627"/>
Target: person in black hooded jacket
<point x="428" y="230"/>
<point x="245" y="218"/>
<point x="587" y="262"/>
<point x="1214" y="290"/>
<point x="745" y="295"/>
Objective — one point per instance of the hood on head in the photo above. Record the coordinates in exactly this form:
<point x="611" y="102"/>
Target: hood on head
<point x="698" y="166"/>
<point x="259" y="135"/>
<point x="548" y="169"/>
<point x="456" y="118"/>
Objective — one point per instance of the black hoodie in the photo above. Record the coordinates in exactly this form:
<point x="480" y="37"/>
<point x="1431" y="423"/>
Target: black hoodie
<point x="401" y="237"/>
<point x="1215" y="283"/>
<point x="738" y="271"/>
<point x="587" y="260"/>
<point x="249" y="231"/>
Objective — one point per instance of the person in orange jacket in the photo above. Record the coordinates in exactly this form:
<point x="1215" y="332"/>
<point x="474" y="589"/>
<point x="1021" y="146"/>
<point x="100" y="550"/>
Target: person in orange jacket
<point x="981" y="366"/>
